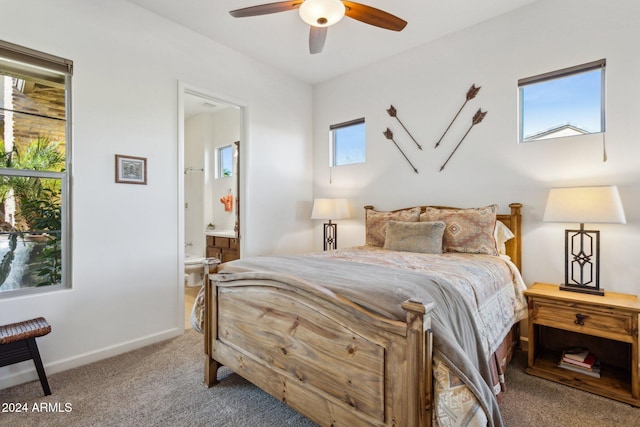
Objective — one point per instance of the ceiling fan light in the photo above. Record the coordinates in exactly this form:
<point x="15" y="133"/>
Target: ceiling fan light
<point x="321" y="13"/>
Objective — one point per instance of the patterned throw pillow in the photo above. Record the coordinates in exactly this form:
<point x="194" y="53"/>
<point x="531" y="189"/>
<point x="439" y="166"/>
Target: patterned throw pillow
<point x="421" y="237"/>
<point x="377" y="223"/>
<point x="467" y="230"/>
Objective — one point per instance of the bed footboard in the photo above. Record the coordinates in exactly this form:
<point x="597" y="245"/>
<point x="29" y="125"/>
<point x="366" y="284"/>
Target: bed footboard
<point x="331" y="360"/>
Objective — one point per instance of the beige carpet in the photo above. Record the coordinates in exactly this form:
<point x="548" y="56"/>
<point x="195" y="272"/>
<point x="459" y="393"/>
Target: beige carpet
<point x="531" y="401"/>
<point x="161" y="385"/>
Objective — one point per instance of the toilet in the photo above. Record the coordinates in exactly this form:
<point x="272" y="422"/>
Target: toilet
<point x="193" y="270"/>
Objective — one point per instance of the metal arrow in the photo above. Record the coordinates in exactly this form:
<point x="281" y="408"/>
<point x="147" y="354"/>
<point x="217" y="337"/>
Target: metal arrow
<point x="477" y="118"/>
<point x="471" y="93"/>
<point x="393" y="113"/>
<point x="389" y="135"/>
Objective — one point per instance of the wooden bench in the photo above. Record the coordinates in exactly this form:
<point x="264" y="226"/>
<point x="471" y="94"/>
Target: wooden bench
<point x="18" y="343"/>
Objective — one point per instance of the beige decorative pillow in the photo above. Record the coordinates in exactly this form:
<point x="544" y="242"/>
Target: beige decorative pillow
<point x="422" y="237"/>
<point x="377" y="223"/>
<point x="467" y="230"/>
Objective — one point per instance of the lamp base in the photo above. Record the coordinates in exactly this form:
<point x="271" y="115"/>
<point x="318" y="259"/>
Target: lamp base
<point x="330" y="236"/>
<point x="582" y="289"/>
<point x="582" y="261"/>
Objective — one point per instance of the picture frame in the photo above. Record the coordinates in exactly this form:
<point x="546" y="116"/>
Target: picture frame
<point x="131" y="169"/>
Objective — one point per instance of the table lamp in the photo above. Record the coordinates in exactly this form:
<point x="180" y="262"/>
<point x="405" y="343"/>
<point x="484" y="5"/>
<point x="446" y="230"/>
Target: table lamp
<point x="330" y="209"/>
<point x="582" y="247"/>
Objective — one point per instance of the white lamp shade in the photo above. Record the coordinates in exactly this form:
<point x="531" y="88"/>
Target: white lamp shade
<point x="585" y="205"/>
<point x="321" y="13"/>
<point x="330" y="209"/>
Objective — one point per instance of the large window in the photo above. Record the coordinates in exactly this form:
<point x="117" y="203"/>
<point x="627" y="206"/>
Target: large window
<point x="34" y="186"/>
<point x="348" y="143"/>
<point x="563" y="103"/>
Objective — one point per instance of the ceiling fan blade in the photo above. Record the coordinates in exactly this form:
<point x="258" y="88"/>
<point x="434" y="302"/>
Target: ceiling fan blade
<point x="372" y="16"/>
<point x="265" y="9"/>
<point x="317" y="36"/>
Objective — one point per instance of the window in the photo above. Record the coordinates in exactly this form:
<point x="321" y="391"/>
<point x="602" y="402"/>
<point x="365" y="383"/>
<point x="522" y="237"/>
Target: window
<point x="225" y="161"/>
<point x="348" y="144"/>
<point x="34" y="186"/>
<point x="562" y="103"/>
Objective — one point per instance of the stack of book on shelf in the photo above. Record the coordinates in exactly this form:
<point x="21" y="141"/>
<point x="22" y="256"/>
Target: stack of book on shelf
<point x="580" y="360"/>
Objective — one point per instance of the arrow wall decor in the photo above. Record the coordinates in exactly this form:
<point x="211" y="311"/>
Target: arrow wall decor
<point x="471" y="93"/>
<point x="477" y="118"/>
<point x="393" y="113"/>
<point x="389" y="135"/>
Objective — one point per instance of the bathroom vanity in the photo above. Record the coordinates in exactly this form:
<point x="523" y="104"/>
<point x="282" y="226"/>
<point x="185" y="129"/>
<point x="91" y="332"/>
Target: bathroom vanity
<point x="222" y="245"/>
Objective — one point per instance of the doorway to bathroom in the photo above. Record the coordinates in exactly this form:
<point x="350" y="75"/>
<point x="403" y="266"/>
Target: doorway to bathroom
<point x="211" y="181"/>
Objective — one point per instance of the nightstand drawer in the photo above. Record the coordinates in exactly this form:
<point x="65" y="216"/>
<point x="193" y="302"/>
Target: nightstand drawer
<point x="597" y="321"/>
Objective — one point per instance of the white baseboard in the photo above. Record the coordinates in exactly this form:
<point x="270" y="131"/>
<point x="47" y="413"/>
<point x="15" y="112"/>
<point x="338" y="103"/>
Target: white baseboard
<point x="28" y="372"/>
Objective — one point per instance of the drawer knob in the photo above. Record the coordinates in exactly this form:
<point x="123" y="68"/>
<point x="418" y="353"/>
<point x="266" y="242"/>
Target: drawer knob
<point x="580" y="319"/>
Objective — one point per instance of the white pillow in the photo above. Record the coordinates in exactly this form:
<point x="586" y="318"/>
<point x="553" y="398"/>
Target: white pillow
<point x="502" y="234"/>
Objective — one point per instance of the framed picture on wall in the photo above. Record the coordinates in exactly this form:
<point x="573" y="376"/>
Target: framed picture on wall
<point x="131" y="170"/>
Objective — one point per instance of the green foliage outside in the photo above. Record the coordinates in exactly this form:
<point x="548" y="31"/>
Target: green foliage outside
<point x="38" y="201"/>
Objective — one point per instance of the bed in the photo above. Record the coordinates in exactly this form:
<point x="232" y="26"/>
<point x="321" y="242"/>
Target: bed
<point x="381" y="334"/>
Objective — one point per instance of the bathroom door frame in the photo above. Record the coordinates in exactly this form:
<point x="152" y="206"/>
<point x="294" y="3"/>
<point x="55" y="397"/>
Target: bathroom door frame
<point x="184" y="89"/>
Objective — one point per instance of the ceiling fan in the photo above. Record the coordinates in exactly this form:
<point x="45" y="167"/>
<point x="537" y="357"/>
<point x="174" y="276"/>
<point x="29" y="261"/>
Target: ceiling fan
<point x="321" y="14"/>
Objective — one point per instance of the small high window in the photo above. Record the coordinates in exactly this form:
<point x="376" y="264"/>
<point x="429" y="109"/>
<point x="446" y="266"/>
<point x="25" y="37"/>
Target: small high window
<point x="225" y="161"/>
<point x="562" y="103"/>
<point x="348" y="143"/>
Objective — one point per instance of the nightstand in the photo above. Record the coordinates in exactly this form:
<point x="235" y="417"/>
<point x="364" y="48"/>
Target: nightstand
<point x="606" y="325"/>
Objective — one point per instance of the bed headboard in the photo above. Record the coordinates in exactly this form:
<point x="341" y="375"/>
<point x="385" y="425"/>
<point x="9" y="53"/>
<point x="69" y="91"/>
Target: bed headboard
<point x="513" y="220"/>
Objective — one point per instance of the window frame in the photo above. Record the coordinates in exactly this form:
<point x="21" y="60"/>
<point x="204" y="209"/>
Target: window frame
<point x="220" y="173"/>
<point x="558" y="74"/>
<point x="50" y="66"/>
<point x="332" y="141"/>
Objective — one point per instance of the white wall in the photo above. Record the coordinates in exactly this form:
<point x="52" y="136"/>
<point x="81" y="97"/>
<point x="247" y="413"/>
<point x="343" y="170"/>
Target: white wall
<point x="128" y="284"/>
<point x="427" y="86"/>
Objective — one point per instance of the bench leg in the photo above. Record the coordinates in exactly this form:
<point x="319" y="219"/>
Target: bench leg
<point x="35" y="354"/>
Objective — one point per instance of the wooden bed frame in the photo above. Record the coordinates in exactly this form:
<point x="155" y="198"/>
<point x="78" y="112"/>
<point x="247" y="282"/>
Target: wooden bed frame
<point x="331" y="360"/>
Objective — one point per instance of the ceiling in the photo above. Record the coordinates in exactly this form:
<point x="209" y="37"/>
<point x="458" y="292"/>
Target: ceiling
<point x="195" y="104"/>
<point x="281" y="39"/>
